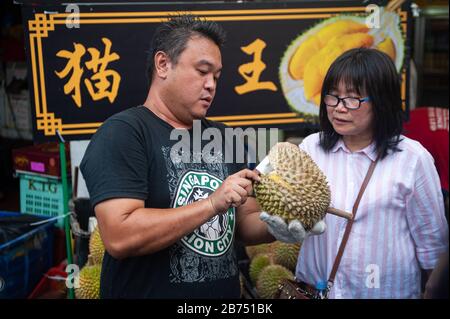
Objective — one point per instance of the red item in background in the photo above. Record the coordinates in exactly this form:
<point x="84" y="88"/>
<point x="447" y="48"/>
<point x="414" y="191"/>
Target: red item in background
<point x="41" y="159"/>
<point x="429" y="126"/>
<point x="52" y="285"/>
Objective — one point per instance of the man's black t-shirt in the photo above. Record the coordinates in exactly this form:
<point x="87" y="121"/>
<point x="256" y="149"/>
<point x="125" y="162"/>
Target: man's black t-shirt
<point x="129" y="157"/>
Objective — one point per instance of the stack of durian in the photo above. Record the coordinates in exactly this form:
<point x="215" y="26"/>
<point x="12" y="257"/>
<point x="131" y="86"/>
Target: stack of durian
<point x="89" y="276"/>
<point x="270" y="264"/>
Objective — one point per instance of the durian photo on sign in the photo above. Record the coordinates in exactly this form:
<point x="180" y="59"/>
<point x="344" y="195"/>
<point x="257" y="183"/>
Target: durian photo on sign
<point x="309" y="56"/>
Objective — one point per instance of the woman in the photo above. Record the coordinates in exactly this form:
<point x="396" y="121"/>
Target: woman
<point x="400" y="226"/>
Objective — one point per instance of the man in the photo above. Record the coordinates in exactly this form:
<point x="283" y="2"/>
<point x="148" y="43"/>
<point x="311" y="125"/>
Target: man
<point x="168" y="226"/>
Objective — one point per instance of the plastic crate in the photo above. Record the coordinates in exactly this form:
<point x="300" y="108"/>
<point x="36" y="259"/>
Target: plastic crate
<point x="40" y="195"/>
<point x="25" y="259"/>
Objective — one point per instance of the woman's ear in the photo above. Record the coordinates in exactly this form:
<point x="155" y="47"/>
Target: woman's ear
<point x="162" y="64"/>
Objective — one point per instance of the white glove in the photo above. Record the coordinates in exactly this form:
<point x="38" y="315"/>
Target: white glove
<point x="292" y="233"/>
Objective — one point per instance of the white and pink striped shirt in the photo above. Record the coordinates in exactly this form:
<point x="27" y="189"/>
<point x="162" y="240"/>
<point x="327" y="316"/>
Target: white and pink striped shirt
<point x="400" y="226"/>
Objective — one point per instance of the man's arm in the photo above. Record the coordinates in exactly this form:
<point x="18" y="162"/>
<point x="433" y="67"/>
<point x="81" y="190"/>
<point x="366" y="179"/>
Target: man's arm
<point x="129" y="229"/>
<point x="250" y="229"/>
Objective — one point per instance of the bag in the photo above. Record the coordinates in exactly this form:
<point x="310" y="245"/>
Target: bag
<point x="291" y="289"/>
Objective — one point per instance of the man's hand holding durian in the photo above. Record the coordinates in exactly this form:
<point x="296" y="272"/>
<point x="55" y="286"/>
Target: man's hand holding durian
<point x="234" y="191"/>
<point x="292" y="232"/>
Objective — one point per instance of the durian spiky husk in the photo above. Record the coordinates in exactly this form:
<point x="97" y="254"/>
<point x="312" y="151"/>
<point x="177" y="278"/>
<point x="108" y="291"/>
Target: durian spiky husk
<point x="270" y="278"/>
<point x="257" y="264"/>
<point x="286" y="254"/>
<point x="89" y="279"/>
<point x="96" y="247"/>
<point x="296" y="188"/>
<point x="255" y="250"/>
<point x="241" y="284"/>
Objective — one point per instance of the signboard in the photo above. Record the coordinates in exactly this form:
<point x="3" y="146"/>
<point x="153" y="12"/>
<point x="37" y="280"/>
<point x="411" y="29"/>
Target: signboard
<point x="88" y="62"/>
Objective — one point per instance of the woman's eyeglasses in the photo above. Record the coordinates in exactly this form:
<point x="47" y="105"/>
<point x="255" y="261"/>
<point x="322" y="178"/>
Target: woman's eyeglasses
<point x="351" y="103"/>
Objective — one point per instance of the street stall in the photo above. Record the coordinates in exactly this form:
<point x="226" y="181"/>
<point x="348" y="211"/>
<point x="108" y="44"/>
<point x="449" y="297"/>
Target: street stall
<point x="86" y="62"/>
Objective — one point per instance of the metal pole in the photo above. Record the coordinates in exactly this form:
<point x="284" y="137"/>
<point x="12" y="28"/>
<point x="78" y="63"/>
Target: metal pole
<point x="62" y="154"/>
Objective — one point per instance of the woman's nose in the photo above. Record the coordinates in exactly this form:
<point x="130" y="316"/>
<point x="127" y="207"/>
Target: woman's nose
<point x="340" y="107"/>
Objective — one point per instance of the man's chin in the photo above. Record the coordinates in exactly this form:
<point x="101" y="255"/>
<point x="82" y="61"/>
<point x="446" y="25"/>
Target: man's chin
<point x="200" y="115"/>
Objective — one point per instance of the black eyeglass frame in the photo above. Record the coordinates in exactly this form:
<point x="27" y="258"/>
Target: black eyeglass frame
<point x="339" y="99"/>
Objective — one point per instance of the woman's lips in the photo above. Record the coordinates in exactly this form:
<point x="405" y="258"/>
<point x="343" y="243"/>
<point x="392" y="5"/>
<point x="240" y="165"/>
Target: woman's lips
<point x="340" y="121"/>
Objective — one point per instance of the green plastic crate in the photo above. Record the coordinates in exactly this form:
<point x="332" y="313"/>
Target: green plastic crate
<point x="41" y="195"/>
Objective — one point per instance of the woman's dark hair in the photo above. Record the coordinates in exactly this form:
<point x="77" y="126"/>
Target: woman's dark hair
<point x="172" y="36"/>
<point x="372" y="73"/>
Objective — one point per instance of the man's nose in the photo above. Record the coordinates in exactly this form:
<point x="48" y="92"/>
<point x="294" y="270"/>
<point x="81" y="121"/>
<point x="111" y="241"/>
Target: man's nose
<point x="210" y="82"/>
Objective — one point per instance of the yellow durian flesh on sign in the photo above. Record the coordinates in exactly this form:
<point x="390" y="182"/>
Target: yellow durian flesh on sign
<point x="303" y="53"/>
<point x="317" y="67"/>
<point x="312" y="45"/>
<point x="356" y="40"/>
<point x="338" y="28"/>
<point x="387" y="46"/>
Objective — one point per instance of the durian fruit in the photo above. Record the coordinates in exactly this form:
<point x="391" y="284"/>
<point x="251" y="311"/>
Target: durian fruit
<point x="269" y="280"/>
<point x="254" y="250"/>
<point x="286" y="254"/>
<point x="317" y="67"/>
<point x="318" y="40"/>
<point x="89" y="280"/>
<point x="257" y="264"/>
<point x="241" y="284"/>
<point x="96" y="247"/>
<point x="387" y="46"/>
<point x="309" y="56"/>
<point x="295" y="189"/>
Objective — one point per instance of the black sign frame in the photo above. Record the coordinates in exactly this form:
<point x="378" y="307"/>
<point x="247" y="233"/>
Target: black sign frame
<point x="46" y="34"/>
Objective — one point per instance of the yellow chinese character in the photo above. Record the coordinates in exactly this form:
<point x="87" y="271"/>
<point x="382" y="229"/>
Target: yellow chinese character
<point x="73" y="64"/>
<point x="252" y="71"/>
<point x="98" y="66"/>
<point x="106" y="82"/>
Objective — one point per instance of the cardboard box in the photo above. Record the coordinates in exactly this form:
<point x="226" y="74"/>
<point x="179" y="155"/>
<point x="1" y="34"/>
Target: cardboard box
<point x="42" y="159"/>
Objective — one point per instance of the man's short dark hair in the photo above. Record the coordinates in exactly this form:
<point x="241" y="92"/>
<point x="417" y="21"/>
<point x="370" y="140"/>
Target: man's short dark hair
<point x="373" y="73"/>
<point x="172" y="36"/>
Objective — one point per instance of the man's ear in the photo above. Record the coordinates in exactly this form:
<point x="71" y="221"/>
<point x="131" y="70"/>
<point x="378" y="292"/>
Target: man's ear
<point x="162" y="64"/>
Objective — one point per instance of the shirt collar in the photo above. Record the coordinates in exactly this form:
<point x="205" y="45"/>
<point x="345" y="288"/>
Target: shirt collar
<point x="370" y="151"/>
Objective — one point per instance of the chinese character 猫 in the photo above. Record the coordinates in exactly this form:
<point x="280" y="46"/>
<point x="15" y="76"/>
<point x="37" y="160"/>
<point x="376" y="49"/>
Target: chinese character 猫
<point x="73" y="64"/>
<point x="251" y="72"/>
<point x="103" y="84"/>
<point x="101" y="75"/>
